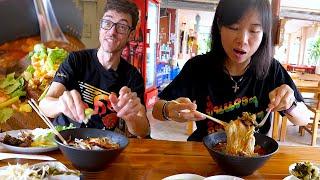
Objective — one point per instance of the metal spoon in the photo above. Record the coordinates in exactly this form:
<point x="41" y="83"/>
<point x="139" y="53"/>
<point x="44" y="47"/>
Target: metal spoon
<point x="263" y="120"/>
<point x="48" y="24"/>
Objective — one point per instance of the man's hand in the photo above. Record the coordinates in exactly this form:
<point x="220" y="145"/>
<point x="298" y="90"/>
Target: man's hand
<point x="71" y="105"/>
<point x="281" y="98"/>
<point x="127" y="105"/>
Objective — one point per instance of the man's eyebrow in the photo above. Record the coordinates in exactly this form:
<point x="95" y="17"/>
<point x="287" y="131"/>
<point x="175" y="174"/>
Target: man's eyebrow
<point x="106" y="16"/>
<point x="124" y="20"/>
<point x="121" y="20"/>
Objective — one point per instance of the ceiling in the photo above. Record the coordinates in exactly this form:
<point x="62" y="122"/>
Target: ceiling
<point x="290" y="9"/>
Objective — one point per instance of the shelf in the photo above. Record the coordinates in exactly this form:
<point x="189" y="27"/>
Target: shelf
<point x="163" y="62"/>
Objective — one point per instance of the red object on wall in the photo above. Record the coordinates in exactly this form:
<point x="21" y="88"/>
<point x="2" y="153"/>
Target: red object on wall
<point x="139" y="52"/>
<point x="301" y="68"/>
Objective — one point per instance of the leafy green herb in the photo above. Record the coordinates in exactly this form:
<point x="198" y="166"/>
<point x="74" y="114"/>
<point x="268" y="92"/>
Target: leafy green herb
<point x="5" y="114"/>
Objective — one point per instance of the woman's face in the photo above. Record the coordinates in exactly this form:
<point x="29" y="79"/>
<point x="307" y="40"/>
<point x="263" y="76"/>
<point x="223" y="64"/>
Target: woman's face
<point x="242" y="39"/>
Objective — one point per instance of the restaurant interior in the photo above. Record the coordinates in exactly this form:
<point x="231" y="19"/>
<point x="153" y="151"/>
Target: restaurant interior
<point x="172" y="32"/>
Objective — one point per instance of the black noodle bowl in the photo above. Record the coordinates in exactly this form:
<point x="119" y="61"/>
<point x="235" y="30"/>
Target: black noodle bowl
<point x="91" y="160"/>
<point x="240" y="165"/>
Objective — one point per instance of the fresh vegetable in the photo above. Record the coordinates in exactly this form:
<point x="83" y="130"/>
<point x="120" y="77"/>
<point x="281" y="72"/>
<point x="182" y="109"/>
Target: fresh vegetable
<point x="306" y="171"/>
<point x="24" y="107"/>
<point x="9" y="102"/>
<point x="11" y="89"/>
<point x="5" y="114"/>
<point x="44" y="64"/>
<point x="45" y="170"/>
<point x="88" y="112"/>
<point x="61" y="128"/>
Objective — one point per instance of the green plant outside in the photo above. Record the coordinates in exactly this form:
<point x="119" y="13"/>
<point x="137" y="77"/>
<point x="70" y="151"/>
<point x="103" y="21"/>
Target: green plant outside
<point x="315" y="52"/>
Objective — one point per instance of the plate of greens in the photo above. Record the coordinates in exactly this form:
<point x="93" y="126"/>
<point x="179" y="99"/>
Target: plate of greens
<point x="38" y="140"/>
<point x="305" y="170"/>
<point x="53" y="170"/>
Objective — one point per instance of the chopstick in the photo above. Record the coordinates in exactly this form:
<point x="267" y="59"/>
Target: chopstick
<point x="92" y="88"/>
<point x="36" y="108"/>
<point x="207" y="116"/>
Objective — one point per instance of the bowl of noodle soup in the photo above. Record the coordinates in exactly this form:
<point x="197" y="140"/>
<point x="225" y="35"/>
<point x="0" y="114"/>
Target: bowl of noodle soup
<point x="240" y="165"/>
<point x="239" y="150"/>
<point x="91" y="149"/>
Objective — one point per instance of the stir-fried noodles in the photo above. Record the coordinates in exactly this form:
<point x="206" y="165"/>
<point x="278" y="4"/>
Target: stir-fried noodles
<point x="240" y="138"/>
<point x="99" y="143"/>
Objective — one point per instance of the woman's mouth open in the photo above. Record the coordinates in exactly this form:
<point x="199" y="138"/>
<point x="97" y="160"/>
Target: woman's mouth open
<point x="239" y="53"/>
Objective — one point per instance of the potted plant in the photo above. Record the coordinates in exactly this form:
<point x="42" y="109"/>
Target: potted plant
<point x="315" y="55"/>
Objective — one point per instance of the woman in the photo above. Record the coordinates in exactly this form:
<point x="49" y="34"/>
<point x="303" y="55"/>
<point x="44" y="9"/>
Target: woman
<point x="237" y="75"/>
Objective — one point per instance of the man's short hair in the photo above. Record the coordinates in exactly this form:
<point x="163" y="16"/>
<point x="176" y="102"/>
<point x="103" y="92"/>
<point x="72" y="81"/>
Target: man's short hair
<point x="124" y="6"/>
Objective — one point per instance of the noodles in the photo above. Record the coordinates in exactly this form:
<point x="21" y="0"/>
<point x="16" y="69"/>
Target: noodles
<point x="100" y="143"/>
<point x="240" y="138"/>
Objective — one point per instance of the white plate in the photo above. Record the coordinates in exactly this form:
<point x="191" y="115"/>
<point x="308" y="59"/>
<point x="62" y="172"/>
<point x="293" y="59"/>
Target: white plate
<point x="15" y="133"/>
<point x="56" y="164"/>
<point x="291" y="177"/>
<point x="223" y="177"/>
<point x="184" y="177"/>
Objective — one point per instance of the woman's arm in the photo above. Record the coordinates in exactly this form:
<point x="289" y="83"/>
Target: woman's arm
<point x="282" y="99"/>
<point x="299" y="115"/>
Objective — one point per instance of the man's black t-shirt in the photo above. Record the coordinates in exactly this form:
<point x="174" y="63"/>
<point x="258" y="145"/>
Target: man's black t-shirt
<point x="212" y="89"/>
<point x="82" y="71"/>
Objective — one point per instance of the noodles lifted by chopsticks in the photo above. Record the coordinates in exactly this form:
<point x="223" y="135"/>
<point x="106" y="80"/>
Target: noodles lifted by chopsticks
<point x="240" y="138"/>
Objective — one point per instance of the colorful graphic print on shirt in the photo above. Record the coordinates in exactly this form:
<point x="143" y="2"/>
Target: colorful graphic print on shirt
<point x="228" y="107"/>
<point x="99" y="100"/>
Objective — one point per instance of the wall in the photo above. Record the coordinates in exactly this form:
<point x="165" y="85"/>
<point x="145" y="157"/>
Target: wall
<point x="189" y="18"/>
<point x="297" y="36"/>
<point x="92" y="11"/>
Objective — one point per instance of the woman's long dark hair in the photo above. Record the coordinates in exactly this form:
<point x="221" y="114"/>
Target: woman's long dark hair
<point x="229" y="12"/>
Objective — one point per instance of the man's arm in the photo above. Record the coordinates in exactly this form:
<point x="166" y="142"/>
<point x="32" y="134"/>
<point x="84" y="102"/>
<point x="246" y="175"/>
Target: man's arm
<point x="138" y="125"/>
<point x="50" y="103"/>
<point x="128" y="107"/>
<point x="58" y="101"/>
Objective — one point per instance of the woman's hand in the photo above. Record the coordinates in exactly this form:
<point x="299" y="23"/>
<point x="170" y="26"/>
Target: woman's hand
<point x="182" y="110"/>
<point x="281" y="98"/>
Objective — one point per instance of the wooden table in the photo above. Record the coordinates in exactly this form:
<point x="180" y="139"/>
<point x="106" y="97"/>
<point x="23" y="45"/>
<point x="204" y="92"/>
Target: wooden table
<point x="306" y="82"/>
<point x="154" y="159"/>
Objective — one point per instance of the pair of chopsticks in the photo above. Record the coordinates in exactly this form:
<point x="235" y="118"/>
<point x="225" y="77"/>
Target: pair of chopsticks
<point x="207" y="116"/>
<point x="36" y="108"/>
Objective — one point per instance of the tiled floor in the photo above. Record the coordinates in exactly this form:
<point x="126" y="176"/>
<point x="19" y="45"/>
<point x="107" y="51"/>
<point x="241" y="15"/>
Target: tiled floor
<point x="174" y="131"/>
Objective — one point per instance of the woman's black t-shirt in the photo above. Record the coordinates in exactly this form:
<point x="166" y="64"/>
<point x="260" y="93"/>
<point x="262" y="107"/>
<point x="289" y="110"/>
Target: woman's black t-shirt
<point x="214" y="94"/>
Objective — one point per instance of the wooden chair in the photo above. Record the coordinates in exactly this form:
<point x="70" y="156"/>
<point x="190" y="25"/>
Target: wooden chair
<point x="189" y="128"/>
<point x="283" y="127"/>
<point x="312" y="128"/>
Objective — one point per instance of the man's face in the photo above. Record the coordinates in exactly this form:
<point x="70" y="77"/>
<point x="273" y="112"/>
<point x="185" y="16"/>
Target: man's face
<point x="115" y="31"/>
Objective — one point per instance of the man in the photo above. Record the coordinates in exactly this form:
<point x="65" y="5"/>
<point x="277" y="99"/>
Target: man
<point x="86" y="78"/>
